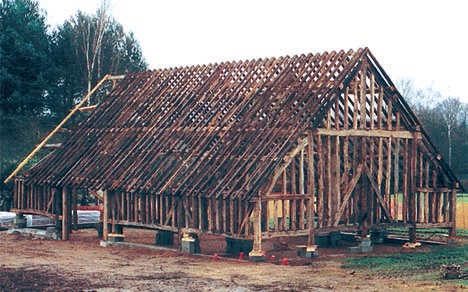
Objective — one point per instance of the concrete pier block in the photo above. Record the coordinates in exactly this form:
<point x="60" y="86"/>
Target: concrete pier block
<point x="190" y="244"/>
<point x="304" y="251"/>
<point x="256" y="257"/>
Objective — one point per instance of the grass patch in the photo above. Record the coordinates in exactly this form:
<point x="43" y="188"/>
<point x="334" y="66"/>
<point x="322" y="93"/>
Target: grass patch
<point x="462" y="198"/>
<point x="426" y="234"/>
<point x="421" y="265"/>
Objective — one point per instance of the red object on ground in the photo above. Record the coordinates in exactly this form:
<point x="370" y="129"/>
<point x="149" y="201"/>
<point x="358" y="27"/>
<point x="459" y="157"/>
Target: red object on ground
<point x="284" y="262"/>
<point x="215" y="256"/>
<point x="272" y="258"/>
<point x="241" y="255"/>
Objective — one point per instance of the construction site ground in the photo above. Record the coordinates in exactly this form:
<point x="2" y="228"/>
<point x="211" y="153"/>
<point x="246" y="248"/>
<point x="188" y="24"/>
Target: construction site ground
<point x="82" y="264"/>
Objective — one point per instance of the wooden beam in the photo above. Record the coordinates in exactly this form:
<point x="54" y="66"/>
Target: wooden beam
<point x="55" y="130"/>
<point x="287" y="160"/>
<point x="347" y="193"/>
<point x="34" y="211"/>
<point x="379" y="197"/>
<point x="368" y="133"/>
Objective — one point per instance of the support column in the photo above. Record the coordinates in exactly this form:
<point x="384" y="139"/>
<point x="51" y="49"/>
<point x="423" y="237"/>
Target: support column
<point x="412" y="194"/>
<point x="453" y="211"/>
<point x="311" y="191"/>
<point x="74" y="208"/>
<point x="256" y="253"/>
<point x="66" y="213"/>
<point x="105" y="219"/>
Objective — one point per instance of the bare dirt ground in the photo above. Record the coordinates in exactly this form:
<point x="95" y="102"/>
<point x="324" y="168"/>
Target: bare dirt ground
<point x="81" y="264"/>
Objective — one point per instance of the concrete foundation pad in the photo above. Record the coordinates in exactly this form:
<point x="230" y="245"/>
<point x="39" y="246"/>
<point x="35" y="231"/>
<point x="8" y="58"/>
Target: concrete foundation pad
<point x="37" y="233"/>
<point x="256" y="257"/>
<point x="354" y="249"/>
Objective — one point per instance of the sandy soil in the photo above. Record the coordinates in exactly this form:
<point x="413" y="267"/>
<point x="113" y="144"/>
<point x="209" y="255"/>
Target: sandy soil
<point x="28" y="264"/>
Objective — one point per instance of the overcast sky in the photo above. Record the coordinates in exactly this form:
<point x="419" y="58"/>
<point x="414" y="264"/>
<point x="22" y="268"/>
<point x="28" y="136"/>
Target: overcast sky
<point x="425" y="41"/>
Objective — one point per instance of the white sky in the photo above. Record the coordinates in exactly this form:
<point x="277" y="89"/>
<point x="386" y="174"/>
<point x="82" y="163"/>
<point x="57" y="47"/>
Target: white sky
<point x="422" y="40"/>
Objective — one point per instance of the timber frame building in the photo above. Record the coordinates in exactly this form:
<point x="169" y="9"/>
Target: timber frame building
<point x="256" y="149"/>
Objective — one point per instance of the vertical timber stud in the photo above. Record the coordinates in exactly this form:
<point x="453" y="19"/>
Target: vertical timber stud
<point x="453" y="211"/>
<point x="75" y="209"/>
<point x="256" y="253"/>
<point x="310" y="189"/>
<point x="105" y="223"/>
<point x="66" y="213"/>
<point x="412" y="194"/>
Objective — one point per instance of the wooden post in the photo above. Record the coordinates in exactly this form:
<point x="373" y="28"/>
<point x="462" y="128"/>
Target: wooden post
<point x="66" y="213"/>
<point x="105" y="223"/>
<point x="453" y="212"/>
<point x="256" y="252"/>
<point x="412" y="194"/>
<point x="74" y="205"/>
<point x="311" y="190"/>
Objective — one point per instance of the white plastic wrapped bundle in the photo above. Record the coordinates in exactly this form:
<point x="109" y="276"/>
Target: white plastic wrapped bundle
<point x="6" y="219"/>
<point x="88" y="217"/>
<point x="38" y="220"/>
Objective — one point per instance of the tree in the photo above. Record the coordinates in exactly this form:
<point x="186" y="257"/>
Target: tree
<point x="85" y="48"/>
<point x="451" y="113"/>
<point x="24" y="75"/>
<point x="44" y="75"/>
<point x="446" y="122"/>
<point x="24" y="49"/>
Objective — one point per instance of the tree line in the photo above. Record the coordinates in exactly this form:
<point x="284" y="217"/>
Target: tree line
<point x="446" y="121"/>
<point x="45" y="72"/>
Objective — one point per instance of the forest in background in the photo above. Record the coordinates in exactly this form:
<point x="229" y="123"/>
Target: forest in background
<point x="45" y="72"/>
